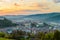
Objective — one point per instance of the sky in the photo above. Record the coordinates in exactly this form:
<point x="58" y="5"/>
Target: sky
<point x="25" y="7"/>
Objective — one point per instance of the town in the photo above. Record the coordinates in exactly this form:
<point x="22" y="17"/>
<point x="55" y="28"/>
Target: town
<point x="32" y="26"/>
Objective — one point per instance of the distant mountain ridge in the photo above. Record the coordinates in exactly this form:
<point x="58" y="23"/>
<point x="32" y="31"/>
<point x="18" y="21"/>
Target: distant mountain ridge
<point x="50" y="17"/>
<point x="42" y="16"/>
<point x="54" y="18"/>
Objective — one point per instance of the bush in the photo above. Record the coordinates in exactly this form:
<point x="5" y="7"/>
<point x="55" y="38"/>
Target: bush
<point x="2" y="34"/>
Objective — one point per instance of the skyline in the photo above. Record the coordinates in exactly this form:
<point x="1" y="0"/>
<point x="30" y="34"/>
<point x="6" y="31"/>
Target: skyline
<point x="25" y="7"/>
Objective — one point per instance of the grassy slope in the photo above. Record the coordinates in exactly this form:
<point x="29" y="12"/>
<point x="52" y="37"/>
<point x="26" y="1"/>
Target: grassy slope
<point x="4" y="39"/>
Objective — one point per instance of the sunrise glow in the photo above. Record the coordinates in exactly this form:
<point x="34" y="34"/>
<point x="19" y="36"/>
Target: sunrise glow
<point x="28" y="6"/>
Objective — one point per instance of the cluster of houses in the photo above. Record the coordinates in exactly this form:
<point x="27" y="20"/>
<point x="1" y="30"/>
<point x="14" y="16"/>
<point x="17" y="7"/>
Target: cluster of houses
<point x="36" y="27"/>
<point x="26" y="26"/>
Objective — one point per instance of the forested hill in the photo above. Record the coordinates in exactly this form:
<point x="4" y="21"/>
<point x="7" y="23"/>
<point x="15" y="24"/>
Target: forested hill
<point x="6" y="23"/>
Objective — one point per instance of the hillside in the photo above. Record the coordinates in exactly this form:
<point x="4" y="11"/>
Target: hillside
<point x="41" y="17"/>
<point x="54" y="18"/>
<point x="6" y="23"/>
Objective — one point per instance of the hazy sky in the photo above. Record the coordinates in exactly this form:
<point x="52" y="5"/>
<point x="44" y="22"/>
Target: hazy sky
<point x="16" y="7"/>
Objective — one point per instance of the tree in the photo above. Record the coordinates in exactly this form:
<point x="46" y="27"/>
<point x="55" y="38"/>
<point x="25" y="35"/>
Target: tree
<point x="49" y="36"/>
<point x="6" y="23"/>
<point x="2" y="34"/>
<point x="57" y="35"/>
<point x="40" y="36"/>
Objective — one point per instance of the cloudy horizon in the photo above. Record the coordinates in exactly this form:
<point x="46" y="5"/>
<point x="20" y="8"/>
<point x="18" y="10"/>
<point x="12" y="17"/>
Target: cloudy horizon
<point x="26" y="7"/>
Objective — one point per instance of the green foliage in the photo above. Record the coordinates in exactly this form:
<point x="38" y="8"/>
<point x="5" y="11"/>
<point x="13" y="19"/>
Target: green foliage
<point x="49" y="36"/>
<point x="40" y="36"/>
<point x="6" y="23"/>
<point x="2" y="34"/>
<point x="57" y="35"/>
<point x="21" y="35"/>
<point x="33" y="24"/>
<point x="5" y="39"/>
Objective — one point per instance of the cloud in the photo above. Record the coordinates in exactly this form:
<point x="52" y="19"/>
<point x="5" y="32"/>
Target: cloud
<point x="57" y="1"/>
<point x="31" y="10"/>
